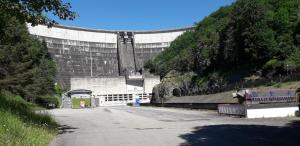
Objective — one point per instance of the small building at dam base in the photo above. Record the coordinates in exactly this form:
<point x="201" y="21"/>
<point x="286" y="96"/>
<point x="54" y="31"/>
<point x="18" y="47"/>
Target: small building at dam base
<point x="110" y="91"/>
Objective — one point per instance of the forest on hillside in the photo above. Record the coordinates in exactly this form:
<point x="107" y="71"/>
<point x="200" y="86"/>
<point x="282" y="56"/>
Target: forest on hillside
<point x="248" y="38"/>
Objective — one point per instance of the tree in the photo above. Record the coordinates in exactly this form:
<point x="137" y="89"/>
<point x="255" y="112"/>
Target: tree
<point x="26" y="67"/>
<point x="59" y="90"/>
<point x="33" y="11"/>
<point x="246" y="34"/>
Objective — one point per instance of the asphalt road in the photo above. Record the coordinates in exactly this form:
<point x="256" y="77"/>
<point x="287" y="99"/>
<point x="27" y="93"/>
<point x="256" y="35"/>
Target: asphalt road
<point x="149" y="126"/>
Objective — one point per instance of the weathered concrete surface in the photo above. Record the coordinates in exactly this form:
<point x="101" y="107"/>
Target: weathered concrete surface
<point x="129" y="126"/>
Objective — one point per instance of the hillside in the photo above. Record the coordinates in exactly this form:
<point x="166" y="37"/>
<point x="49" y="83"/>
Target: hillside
<point x="248" y="40"/>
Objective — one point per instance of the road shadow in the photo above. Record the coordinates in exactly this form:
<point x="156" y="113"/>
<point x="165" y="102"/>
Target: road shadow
<point x="244" y="135"/>
<point x="62" y="129"/>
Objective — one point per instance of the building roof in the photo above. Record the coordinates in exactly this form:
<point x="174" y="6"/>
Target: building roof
<point x="79" y="91"/>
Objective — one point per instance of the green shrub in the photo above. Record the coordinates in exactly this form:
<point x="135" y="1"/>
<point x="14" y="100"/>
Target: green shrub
<point x="76" y="102"/>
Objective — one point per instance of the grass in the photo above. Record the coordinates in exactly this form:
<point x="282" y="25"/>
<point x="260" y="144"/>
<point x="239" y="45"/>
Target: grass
<point x="76" y="102"/>
<point x="21" y="126"/>
<point x="282" y="85"/>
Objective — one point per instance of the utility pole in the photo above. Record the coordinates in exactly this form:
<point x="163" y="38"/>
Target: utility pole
<point x="91" y="63"/>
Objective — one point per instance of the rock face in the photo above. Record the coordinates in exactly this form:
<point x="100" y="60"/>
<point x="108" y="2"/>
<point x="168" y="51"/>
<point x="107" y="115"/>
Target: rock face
<point x="83" y="53"/>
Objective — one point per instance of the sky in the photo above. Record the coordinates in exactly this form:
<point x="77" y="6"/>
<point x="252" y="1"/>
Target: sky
<point x="140" y="14"/>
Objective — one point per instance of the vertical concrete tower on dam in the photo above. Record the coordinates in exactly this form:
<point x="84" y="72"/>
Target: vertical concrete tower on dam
<point x="109" y="63"/>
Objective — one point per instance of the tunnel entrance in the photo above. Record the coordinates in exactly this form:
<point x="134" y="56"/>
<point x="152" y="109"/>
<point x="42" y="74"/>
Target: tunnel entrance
<point x="176" y="92"/>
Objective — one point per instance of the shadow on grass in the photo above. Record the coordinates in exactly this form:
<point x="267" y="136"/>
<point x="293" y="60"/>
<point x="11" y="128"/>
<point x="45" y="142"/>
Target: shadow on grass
<point x="244" y="135"/>
<point x="63" y="129"/>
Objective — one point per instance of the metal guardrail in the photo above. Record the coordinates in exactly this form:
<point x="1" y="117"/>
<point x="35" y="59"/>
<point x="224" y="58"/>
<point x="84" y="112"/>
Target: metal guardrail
<point x="232" y="109"/>
<point x="254" y="96"/>
<point x="265" y="100"/>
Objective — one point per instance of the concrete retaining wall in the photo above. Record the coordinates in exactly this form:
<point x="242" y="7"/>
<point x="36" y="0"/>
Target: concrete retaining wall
<point x="272" y="112"/>
<point x="101" y="86"/>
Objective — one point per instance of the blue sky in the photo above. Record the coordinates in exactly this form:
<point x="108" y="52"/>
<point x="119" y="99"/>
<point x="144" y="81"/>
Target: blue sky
<point x="141" y="14"/>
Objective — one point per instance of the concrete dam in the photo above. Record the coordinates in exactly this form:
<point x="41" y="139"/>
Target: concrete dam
<point x="109" y="63"/>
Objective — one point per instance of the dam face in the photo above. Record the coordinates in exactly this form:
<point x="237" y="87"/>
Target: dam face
<point x="103" y="59"/>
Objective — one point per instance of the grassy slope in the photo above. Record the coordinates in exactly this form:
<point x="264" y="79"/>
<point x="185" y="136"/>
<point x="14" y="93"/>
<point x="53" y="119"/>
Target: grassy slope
<point x="19" y="125"/>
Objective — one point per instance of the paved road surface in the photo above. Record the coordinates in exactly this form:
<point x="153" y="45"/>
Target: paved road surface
<point x="149" y="126"/>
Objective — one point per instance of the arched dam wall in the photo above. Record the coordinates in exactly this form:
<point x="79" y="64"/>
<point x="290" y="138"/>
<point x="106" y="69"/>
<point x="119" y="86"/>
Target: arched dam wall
<point x="82" y="53"/>
<point x="109" y="63"/>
